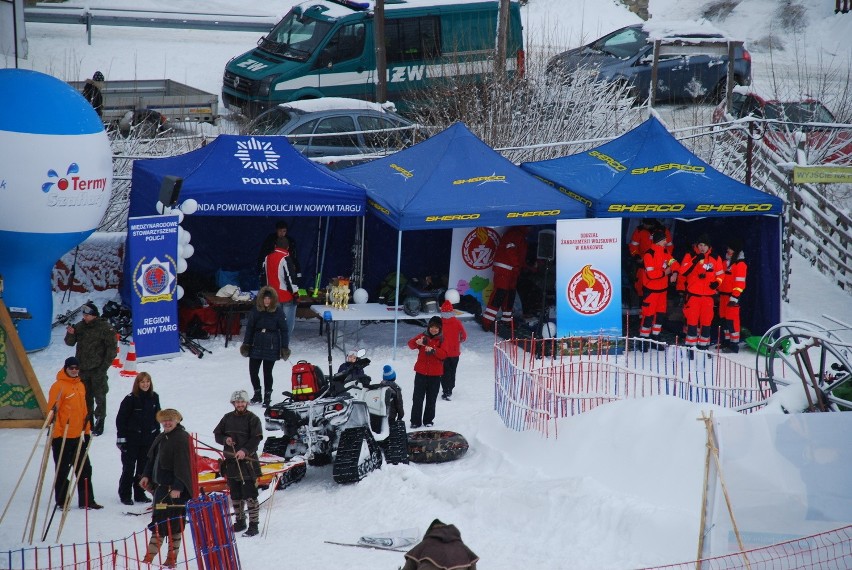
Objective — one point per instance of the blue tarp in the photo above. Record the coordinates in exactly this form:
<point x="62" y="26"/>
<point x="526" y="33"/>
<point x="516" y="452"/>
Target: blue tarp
<point x="454" y="180"/>
<point x="646" y="172"/>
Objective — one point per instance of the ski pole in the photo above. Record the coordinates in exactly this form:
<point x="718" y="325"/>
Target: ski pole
<point x="38" y="487"/>
<point x="272" y="485"/>
<point x="47" y="423"/>
<point x="59" y="460"/>
<point x="73" y="488"/>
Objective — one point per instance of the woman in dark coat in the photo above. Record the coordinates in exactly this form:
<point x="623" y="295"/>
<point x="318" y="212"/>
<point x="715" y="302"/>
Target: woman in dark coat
<point x="441" y="549"/>
<point x="266" y="340"/>
<point x="136" y="427"/>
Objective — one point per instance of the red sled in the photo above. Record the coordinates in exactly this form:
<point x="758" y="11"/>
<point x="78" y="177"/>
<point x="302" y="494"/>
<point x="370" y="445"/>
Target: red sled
<point x="308" y="381"/>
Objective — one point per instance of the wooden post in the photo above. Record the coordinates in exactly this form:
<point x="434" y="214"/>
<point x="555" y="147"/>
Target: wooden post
<point x="502" y="40"/>
<point x="652" y="92"/>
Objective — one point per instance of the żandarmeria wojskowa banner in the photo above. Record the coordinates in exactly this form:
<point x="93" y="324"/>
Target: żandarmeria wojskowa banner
<point x="152" y="250"/>
<point x="588" y="277"/>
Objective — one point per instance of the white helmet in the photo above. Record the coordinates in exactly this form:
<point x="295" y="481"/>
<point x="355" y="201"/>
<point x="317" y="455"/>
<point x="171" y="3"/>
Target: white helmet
<point x="239" y="395"/>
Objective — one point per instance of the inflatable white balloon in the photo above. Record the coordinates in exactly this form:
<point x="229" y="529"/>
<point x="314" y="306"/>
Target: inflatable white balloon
<point x="548" y="330"/>
<point x="55" y="186"/>
<point x="452" y="296"/>
<point x="360" y="296"/>
<point x="189" y="207"/>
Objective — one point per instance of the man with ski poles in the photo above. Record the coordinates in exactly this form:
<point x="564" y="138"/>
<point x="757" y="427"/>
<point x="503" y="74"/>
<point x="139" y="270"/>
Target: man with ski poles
<point x="240" y="432"/>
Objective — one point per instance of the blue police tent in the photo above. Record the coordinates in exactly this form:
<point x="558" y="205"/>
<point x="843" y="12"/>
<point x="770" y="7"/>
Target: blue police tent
<point x="647" y="173"/>
<point x="243" y="184"/>
<point x="454" y="180"/>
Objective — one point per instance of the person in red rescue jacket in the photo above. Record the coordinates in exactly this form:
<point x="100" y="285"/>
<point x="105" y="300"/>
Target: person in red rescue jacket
<point x="657" y="265"/>
<point x="428" y="371"/>
<point x="282" y="275"/>
<point x="699" y="275"/>
<point x="510" y="257"/>
<point x="640" y="242"/>
<point x="454" y="335"/>
<point x="732" y="287"/>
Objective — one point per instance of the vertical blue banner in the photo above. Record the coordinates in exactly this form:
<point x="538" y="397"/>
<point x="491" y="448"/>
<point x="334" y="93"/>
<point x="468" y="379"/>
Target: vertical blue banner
<point x="152" y="251"/>
<point x="588" y="277"/>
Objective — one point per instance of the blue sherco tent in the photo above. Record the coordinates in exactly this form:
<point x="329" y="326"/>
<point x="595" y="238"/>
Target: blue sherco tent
<point x="454" y="180"/>
<point x="262" y="177"/>
<point x="647" y="173"/>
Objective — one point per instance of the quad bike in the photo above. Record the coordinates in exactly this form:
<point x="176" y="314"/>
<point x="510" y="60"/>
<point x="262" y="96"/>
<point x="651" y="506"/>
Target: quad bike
<point x="347" y="424"/>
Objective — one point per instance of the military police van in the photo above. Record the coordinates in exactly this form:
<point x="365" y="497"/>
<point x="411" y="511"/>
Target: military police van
<point x="325" y="48"/>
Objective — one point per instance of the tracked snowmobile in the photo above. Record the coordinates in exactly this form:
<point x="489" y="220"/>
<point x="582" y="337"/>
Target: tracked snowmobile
<point x="344" y="421"/>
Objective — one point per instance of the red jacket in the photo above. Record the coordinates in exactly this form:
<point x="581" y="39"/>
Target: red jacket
<point x="698" y="271"/>
<point x="429" y="363"/>
<point x="734" y="282"/>
<point x="280" y="274"/>
<point x="640" y="241"/>
<point x="454" y="334"/>
<point x="69" y="396"/>
<point x="510" y="256"/>
<point x="657" y="262"/>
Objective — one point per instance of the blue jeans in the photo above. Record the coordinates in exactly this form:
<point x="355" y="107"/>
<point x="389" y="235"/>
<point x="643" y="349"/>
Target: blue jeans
<point x="290" y="313"/>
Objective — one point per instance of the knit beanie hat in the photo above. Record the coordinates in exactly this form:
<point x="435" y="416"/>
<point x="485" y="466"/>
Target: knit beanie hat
<point x="703" y="238"/>
<point x="71" y="361"/>
<point x="91" y="309"/>
<point x="388" y="374"/>
<point x="658" y="235"/>
<point x="437" y="322"/>
<point x="169" y="414"/>
<point x="447" y="309"/>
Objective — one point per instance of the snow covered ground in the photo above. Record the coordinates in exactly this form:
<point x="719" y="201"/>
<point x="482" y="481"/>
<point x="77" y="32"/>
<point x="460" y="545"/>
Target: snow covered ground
<point x="608" y="493"/>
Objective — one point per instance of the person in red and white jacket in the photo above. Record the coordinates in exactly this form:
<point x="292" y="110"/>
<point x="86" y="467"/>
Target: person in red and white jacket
<point x="657" y="265"/>
<point x="281" y="275"/>
<point x="732" y="287"/>
<point x="510" y="257"/>
<point x="454" y="335"/>
<point x="428" y="371"/>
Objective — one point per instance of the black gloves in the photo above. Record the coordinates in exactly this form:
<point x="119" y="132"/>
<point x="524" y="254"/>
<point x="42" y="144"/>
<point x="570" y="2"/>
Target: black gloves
<point x="714" y="285"/>
<point x="245" y="349"/>
<point x="285" y="353"/>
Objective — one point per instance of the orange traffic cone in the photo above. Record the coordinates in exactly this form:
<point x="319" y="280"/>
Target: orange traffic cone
<point x="130" y="361"/>
<point x="116" y="362"/>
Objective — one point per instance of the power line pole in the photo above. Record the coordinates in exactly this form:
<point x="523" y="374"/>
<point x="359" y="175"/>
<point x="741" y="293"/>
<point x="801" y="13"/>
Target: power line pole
<point x="381" y="56"/>
<point x="502" y="34"/>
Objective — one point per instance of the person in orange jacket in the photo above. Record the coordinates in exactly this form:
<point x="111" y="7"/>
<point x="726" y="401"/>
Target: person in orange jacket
<point x="657" y="265"/>
<point x="699" y="276"/>
<point x="428" y="371"/>
<point x="730" y="290"/>
<point x="640" y="242"/>
<point x="67" y="397"/>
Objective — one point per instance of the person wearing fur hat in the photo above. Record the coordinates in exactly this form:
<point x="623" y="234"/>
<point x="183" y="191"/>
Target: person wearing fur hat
<point x="428" y="370"/>
<point x="441" y="549"/>
<point x="454" y="334"/>
<point x="240" y="432"/>
<point x="168" y="476"/>
<point x="71" y="436"/>
<point x="396" y="410"/>
<point x="92" y="91"/>
<point x="267" y="339"/>
<point x="730" y="291"/>
<point x="349" y="364"/>
<point x="96" y="344"/>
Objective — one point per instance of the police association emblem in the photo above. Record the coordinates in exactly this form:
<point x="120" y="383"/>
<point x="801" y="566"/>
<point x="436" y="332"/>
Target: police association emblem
<point x="589" y="291"/>
<point x="155" y="280"/>
<point x="478" y="248"/>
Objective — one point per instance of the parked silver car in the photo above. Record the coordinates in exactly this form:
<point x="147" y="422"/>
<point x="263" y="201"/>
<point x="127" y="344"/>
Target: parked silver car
<point x="338" y="127"/>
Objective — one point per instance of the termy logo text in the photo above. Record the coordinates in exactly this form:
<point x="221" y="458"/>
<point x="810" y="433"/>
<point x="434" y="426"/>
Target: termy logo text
<point x="72" y="182"/>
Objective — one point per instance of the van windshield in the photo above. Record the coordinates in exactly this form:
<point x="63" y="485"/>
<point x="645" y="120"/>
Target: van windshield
<point x="296" y="36"/>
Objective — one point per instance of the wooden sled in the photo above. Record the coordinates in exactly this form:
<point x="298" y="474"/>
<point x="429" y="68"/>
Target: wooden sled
<point x="211" y="481"/>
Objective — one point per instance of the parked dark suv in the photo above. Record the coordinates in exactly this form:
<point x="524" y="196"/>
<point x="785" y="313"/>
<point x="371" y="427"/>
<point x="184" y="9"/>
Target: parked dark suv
<point x="626" y="55"/>
<point x="337" y="126"/>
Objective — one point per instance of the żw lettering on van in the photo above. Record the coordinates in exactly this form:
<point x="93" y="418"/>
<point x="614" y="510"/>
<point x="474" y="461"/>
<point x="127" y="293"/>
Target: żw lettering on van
<point x="252" y="65"/>
<point x="410" y="73"/>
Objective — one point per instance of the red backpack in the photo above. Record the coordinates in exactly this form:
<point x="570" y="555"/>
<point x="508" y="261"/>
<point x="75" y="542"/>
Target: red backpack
<point x="308" y="381"/>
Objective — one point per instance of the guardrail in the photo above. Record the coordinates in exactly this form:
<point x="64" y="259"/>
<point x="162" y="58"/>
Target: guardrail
<point x="147" y="19"/>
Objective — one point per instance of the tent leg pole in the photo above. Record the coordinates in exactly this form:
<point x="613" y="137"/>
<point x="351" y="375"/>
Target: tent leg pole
<point x="396" y="313"/>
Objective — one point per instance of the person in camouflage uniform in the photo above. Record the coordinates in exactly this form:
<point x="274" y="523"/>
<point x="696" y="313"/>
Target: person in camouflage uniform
<point x="96" y="348"/>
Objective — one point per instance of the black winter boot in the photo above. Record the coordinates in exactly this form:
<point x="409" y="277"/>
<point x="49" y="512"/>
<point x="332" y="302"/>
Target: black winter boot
<point x="256" y="398"/>
<point x="267" y="397"/>
<point x="252" y="530"/>
<point x="239" y="525"/>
